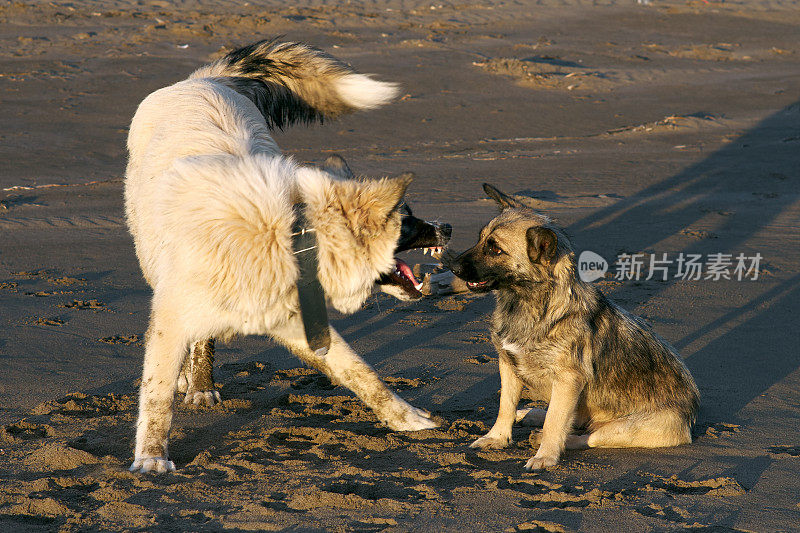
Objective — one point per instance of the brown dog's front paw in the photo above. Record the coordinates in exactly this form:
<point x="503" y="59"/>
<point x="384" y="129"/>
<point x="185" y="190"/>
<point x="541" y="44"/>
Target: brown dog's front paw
<point x="489" y="442"/>
<point x="540" y="463"/>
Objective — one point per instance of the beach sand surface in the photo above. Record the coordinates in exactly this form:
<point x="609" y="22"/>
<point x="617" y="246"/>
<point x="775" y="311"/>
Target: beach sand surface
<point x="672" y="127"/>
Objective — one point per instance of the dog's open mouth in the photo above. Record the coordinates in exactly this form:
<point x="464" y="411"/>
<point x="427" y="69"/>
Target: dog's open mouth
<point x="435" y="251"/>
<point x="480" y="286"/>
<point x="403" y="277"/>
<point x="415" y="234"/>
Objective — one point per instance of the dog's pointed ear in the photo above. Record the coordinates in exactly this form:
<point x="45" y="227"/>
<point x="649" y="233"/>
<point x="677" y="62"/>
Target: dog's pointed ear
<point x="402" y="181"/>
<point x="504" y="200"/>
<point x="385" y="197"/>
<point x="542" y="244"/>
<point x="409" y="176"/>
<point x="337" y="166"/>
<point x="368" y="204"/>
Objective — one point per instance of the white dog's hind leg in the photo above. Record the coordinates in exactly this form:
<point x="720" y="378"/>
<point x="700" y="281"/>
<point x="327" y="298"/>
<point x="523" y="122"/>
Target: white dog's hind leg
<point x="165" y="350"/>
<point x="196" y="378"/>
<point x="510" y="390"/>
<point x="343" y="366"/>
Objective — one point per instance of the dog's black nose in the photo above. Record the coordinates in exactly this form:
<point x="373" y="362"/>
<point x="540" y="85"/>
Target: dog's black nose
<point x="446" y="230"/>
<point x="451" y="262"/>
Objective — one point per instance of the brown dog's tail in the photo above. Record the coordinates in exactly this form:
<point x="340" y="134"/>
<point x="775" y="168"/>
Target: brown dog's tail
<point x="294" y="82"/>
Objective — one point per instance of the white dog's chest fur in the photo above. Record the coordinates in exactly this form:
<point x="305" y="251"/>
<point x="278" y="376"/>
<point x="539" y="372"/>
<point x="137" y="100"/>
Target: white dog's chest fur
<point x="512" y="347"/>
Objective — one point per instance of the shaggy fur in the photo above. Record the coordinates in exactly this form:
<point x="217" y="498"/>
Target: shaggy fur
<point x="605" y="370"/>
<point x="209" y="201"/>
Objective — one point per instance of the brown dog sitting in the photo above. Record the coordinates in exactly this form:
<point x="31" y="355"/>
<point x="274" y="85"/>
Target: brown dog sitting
<point x="606" y="371"/>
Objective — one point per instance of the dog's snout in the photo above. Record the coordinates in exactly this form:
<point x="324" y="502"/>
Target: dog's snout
<point x="452" y="262"/>
<point x="445" y="230"/>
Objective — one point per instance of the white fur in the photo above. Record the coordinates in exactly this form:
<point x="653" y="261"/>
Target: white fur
<point x="511" y="347"/>
<point x="363" y="92"/>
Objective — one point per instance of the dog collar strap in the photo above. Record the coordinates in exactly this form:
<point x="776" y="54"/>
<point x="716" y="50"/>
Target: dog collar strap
<point x="313" y="310"/>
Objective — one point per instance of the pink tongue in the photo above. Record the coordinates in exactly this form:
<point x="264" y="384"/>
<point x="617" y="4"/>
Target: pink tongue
<point x="406" y="271"/>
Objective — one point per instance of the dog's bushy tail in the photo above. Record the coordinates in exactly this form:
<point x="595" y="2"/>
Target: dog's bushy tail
<point x="294" y="82"/>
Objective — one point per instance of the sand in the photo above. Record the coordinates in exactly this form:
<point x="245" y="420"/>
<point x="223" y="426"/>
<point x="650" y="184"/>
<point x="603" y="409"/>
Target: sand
<point x="644" y="129"/>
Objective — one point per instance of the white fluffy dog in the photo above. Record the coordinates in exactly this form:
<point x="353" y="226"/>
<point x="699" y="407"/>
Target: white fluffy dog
<point x="209" y="201"/>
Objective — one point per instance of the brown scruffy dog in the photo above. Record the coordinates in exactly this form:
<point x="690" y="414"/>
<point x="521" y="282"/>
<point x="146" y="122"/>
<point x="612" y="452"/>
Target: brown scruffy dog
<point x="605" y="370"/>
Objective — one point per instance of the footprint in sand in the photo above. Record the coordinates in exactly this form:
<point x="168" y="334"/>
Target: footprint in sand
<point x="43" y="321"/>
<point x="24" y="431"/>
<point x="721" y="429"/>
<point x="721" y="486"/>
<point x="785" y="450"/>
<point x="481" y="359"/>
<point x="672" y="514"/>
<point x="84" y="304"/>
<point x="122" y="339"/>
<point x="403" y="383"/>
<point x="79" y="405"/>
<point x="698" y="234"/>
<point x="538" y="526"/>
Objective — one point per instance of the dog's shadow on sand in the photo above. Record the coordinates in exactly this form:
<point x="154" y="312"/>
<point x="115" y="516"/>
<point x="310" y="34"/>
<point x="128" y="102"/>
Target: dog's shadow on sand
<point x="735" y="357"/>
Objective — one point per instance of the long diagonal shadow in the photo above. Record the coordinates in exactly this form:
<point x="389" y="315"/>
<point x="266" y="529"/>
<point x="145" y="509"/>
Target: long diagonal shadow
<point x="758" y="351"/>
<point x="759" y="168"/>
<point x="675" y="203"/>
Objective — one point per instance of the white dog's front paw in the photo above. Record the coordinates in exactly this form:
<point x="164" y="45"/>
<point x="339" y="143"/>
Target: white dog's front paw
<point x="157" y="465"/>
<point x="541" y="462"/>
<point x="209" y="398"/>
<point x="490" y="442"/>
<point x="414" y="420"/>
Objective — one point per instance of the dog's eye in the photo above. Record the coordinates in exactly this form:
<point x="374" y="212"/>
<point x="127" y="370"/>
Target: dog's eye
<point x="493" y="248"/>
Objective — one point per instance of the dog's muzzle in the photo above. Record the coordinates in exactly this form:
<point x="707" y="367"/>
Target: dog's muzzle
<point x="415" y="233"/>
<point x="463" y="266"/>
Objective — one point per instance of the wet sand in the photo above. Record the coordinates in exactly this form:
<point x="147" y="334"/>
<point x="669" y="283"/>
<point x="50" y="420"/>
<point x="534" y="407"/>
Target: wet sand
<point x="644" y="129"/>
